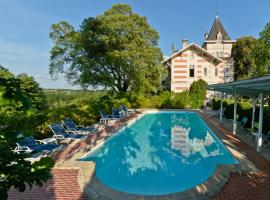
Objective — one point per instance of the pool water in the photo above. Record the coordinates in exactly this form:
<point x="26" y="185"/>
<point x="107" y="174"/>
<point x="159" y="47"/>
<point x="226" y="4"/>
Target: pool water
<point x="161" y="153"/>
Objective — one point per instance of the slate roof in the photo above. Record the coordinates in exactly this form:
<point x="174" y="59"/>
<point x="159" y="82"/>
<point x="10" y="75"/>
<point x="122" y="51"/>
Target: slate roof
<point x="217" y="26"/>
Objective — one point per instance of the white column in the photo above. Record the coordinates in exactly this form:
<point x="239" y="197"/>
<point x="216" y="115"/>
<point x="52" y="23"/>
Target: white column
<point x="253" y="112"/>
<point x="234" y="114"/>
<point x="221" y="110"/>
<point x="259" y="138"/>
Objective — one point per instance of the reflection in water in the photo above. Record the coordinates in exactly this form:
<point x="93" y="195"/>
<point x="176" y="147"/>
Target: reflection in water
<point x="180" y="140"/>
<point x="160" y="154"/>
<point x="145" y="156"/>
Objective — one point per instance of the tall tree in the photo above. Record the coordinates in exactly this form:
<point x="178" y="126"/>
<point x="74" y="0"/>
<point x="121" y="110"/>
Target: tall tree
<point x="244" y="62"/>
<point x="262" y="51"/>
<point x="116" y="50"/>
<point x="18" y="111"/>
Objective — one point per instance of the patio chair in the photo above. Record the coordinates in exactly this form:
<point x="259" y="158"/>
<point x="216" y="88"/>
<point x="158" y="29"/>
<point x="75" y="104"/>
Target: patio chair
<point x="30" y="145"/>
<point x="125" y="110"/>
<point x="266" y="139"/>
<point x="243" y="122"/>
<point x="216" y="113"/>
<point x="60" y="133"/>
<point x="105" y="117"/>
<point x="71" y="126"/>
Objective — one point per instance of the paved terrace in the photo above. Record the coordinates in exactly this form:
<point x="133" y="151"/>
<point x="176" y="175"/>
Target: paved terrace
<point x="73" y="179"/>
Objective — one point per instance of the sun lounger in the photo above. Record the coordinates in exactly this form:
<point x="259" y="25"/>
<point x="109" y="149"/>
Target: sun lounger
<point x="71" y="126"/>
<point x="37" y="156"/>
<point x="125" y="110"/>
<point x="60" y="133"/>
<point x="116" y="113"/>
<point x="105" y="117"/>
<point x="29" y="145"/>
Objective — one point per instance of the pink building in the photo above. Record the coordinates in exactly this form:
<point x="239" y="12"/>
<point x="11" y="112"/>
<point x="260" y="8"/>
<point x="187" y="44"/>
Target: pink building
<point x="212" y="62"/>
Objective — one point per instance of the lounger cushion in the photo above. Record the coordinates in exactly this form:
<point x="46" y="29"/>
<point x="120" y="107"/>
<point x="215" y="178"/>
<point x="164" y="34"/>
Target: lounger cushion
<point x="28" y="141"/>
<point x="45" y="147"/>
<point x="72" y="126"/>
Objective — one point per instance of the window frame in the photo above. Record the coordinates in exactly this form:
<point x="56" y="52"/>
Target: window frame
<point x="216" y="71"/>
<point x="205" y="71"/>
<point x="191" y="67"/>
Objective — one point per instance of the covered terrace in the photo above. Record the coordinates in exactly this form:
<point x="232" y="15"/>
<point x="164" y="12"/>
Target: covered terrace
<point x="257" y="89"/>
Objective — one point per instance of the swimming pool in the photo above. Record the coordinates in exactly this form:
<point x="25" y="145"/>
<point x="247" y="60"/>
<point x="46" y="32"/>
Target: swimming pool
<point x="160" y="153"/>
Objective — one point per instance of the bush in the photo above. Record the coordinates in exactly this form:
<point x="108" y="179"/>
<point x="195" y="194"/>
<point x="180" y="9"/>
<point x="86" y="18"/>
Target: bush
<point x="181" y="100"/>
<point x="197" y="93"/>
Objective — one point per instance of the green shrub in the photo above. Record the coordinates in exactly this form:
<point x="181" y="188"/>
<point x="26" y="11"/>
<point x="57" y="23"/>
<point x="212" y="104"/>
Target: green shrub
<point x="197" y="93"/>
<point x="181" y="100"/>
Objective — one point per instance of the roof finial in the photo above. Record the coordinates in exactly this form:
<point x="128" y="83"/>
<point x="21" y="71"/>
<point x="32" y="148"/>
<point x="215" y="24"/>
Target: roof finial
<point x="217" y="9"/>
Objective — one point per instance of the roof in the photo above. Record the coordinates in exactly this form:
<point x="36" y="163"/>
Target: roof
<point x="216" y="27"/>
<point x="247" y="87"/>
<point x="189" y="46"/>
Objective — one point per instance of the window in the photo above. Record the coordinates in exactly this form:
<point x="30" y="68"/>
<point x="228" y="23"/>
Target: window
<point x="191" y="55"/>
<point x="219" y="36"/>
<point x="216" y="71"/>
<point x="205" y="71"/>
<point x="226" y="72"/>
<point x="192" y="71"/>
<point x="219" y="54"/>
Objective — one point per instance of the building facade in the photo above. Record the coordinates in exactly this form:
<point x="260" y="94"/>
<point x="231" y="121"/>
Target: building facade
<point x="211" y="62"/>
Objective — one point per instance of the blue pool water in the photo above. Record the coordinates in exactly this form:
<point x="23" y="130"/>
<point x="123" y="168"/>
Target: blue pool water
<point x="161" y="153"/>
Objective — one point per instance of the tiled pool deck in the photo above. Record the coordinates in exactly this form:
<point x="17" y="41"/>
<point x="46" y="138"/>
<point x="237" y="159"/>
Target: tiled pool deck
<point x="73" y="179"/>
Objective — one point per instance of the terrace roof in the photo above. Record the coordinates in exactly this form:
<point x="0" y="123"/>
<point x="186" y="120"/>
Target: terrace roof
<point x="249" y="87"/>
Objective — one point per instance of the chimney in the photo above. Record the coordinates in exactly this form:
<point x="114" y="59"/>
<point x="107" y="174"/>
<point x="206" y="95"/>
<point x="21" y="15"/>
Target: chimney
<point x="184" y="43"/>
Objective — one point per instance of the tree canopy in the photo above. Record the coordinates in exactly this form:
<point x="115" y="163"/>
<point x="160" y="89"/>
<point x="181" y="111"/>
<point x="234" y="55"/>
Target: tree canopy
<point x="244" y="61"/>
<point x="117" y="50"/>
<point x="20" y="104"/>
<point x="252" y="56"/>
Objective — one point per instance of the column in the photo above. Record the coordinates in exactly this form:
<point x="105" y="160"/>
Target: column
<point x="259" y="138"/>
<point x="234" y="114"/>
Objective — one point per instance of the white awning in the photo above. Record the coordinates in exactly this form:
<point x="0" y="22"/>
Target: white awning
<point x="249" y="87"/>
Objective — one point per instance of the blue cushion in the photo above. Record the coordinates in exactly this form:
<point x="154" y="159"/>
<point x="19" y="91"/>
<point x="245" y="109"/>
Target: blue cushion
<point x="47" y="147"/>
<point x="85" y="129"/>
<point x="75" y="136"/>
<point x="28" y="141"/>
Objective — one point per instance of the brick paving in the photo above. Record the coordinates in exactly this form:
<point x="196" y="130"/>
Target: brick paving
<point x="62" y="186"/>
<point x="246" y="186"/>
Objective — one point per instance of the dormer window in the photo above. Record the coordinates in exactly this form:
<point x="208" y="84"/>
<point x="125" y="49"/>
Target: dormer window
<point x="219" y="36"/>
<point x="191" y="55"/>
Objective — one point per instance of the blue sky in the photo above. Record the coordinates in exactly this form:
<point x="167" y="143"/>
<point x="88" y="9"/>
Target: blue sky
<point x="25" y="24"/>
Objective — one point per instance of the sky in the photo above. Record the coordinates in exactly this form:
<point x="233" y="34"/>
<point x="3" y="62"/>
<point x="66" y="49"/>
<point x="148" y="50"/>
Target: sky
<point x="25" y="25"/>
